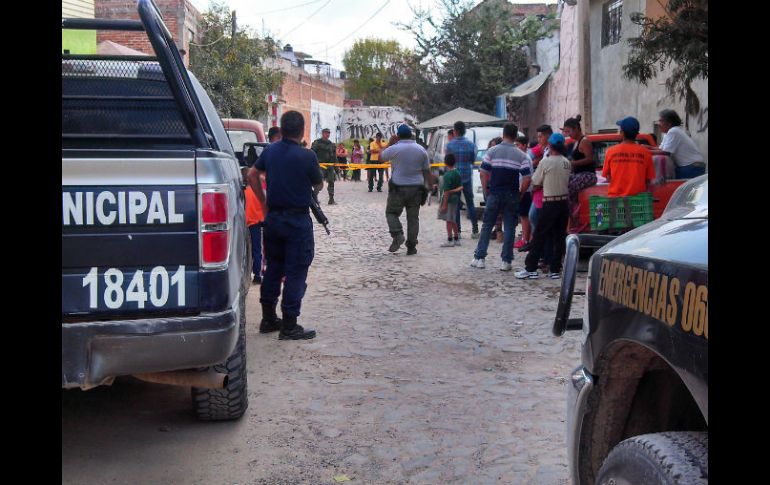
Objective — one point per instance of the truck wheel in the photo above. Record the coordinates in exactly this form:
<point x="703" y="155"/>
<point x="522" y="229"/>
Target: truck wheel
<point x="670" y="458"/>
<point x="230" y="402"/>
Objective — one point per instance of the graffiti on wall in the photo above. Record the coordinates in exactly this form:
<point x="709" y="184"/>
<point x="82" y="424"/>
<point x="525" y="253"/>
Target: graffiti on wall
<point x="364" y="122"/>
<point x="323" y="115"/>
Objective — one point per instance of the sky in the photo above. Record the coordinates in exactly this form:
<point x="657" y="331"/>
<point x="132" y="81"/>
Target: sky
<point x="325" y="29"/>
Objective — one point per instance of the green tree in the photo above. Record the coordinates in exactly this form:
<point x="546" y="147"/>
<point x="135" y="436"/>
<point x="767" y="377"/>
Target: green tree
<point x="470" y="56"/>
<point x="376" y="71"/>
<point x="230" y="66"/>
<point x="679" y="38"/>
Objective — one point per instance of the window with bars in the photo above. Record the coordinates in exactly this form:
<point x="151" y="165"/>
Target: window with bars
<point x="612" y="14"/>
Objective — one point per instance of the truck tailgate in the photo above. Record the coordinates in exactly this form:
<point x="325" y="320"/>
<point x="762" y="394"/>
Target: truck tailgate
<point x="129" y="234"/>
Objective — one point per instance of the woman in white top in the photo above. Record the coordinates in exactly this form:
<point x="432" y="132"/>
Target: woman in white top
<point x="677" y="144"/>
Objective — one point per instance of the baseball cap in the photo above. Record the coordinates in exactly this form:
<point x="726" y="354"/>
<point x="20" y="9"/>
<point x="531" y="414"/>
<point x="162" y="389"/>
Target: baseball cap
<point x="326" y="130"/>
<point x="556" y="139"/>
<point x="629" y="124"/>
<point x="404" y="130"/>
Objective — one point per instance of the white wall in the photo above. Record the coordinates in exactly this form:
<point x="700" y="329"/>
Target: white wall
<point x="365" y="121"/>
<point x="614" y="97"/>
<point x="323" y="115"/>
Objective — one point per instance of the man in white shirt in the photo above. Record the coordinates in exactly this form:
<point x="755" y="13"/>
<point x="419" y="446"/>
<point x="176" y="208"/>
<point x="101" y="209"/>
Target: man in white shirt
<point x="677" y="144"/>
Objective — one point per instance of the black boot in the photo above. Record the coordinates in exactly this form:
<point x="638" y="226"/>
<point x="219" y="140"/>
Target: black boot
<point x="270" y="321"/>
<point x="291" y="331"/>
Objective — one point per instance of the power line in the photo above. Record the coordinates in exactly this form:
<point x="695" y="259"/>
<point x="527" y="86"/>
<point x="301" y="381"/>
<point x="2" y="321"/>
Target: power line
<point x="306" y="19"/>
<point x="288" y="8"/>
<point x="362" y="25"/>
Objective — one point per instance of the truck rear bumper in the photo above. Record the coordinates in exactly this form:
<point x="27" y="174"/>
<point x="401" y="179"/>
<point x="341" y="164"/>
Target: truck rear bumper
<point x="93" y="352"/>
<point x="579" y="387"/>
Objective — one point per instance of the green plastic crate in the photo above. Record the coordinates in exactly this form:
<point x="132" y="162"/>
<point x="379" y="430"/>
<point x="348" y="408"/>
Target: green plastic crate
<point x="599" y="207"/>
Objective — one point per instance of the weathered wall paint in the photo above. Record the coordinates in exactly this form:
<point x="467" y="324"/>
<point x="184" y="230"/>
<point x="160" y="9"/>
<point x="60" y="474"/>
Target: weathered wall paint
<point x="324" y="115"/>
<point x="614" y="97"/>
<point x="364" y="122"/>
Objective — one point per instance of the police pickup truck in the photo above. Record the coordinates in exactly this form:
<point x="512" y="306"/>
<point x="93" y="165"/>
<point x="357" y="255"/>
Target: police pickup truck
<point x="637" y="411"/>
<point x="154" y="243"/>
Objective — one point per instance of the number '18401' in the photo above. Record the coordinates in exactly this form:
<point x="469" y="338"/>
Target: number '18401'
<point x="114" y="295"/>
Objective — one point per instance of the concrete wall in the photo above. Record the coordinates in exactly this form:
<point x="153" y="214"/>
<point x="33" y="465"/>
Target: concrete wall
<point x="365" y="121"/>
<point x="614" y="97"/>
<point x="558" y="98"/>
<point x="323" y="115"/>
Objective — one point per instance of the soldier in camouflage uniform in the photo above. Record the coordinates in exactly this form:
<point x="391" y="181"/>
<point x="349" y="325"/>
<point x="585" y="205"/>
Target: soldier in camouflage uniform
<point x="326" y="153"/>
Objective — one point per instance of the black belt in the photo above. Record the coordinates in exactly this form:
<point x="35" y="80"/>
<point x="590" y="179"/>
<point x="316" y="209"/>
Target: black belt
<point x="289" y="210"/>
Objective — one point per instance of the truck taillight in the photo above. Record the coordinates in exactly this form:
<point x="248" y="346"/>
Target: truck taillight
<point x="214" y="207"/>
<point x="215" y="226"/>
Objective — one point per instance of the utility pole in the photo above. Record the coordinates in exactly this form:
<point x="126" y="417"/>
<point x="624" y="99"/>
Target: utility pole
<point x="234" y="26"/>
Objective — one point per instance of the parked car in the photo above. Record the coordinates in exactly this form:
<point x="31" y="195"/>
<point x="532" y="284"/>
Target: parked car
<point x="661" y="193"/>
<point x="638" y="402"/>
<point x="242" y="131"/>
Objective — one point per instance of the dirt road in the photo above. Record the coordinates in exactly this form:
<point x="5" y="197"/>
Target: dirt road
<point x="425" y="370"/>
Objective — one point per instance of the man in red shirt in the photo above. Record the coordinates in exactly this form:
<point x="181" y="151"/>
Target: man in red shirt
<point x="628" y="166"/>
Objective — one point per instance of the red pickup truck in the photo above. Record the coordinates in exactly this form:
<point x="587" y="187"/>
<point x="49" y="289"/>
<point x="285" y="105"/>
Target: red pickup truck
<point x="660" y="193"/>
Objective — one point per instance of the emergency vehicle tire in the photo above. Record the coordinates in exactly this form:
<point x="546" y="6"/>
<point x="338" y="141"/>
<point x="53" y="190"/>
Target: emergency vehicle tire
<point x="230" y="402"/>
<point x="670" y="458"/>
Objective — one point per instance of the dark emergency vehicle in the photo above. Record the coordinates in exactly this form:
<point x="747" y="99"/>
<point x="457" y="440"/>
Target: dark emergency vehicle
<point x="155" y="262"/>
<point x="638" y="403"/>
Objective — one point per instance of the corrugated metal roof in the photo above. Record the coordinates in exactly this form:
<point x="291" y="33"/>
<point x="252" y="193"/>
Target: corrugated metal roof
<point x="530" y="85"/>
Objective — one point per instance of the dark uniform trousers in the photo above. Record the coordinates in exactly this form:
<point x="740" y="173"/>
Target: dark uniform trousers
<point x="551" y="228"/>
<point x="402" y="197"/>
<point x="370" y="175"/>
<point x="289" y="250"/>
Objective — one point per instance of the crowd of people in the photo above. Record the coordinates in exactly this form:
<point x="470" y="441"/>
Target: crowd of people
<point x="535" y="184"/>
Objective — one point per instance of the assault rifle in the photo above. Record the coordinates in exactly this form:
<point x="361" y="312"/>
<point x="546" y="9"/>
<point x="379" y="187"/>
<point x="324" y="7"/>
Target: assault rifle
<point x="319" y="215"/>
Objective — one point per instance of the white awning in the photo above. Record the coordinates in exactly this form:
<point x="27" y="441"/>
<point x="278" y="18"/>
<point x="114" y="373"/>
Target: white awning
<point x="458" y="114"/>
<point x="529" y="86"/>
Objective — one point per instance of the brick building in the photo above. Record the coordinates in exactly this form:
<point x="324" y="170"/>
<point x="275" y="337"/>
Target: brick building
<point x="319" y="97"/>
<point x="180" y="16"/>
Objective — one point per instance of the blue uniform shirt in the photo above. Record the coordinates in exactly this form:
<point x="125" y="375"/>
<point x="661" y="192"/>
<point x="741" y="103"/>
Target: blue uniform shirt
<point x="291" y="172"/>
<point x="464" y="151"/>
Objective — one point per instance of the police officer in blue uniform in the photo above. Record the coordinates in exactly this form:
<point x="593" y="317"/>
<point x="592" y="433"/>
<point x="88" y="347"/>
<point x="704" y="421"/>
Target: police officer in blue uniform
<point x="291" y="173"/>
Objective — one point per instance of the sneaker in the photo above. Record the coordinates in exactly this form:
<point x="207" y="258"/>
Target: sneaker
<point x="524" y="248"/>
<point x="553" y="276"/>
<point x="505" y="266"/>
<point x="523" y="274"/>
<point x="257" y="280"/>
<point x="397" y="242"/>
<point x="411" y="251"/>
<point x="457" y="242"/>
<point x="448" y="244"/>
<point x="478" y="263"/>
<point x="519" y="243"/>
<point x="475" y="234"/>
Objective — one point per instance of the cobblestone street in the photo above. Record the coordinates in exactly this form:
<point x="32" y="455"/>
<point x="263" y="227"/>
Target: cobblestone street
<point x="425" y="370"/>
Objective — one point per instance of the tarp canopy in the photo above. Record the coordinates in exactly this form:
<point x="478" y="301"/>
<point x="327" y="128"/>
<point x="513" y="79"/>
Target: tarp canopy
<point x="530" y="85"/>
<point x="458" y="114"/>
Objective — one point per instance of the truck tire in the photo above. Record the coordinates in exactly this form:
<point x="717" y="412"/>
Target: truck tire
<point x="671" y="458"/>
<point x="230" y="402"/>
